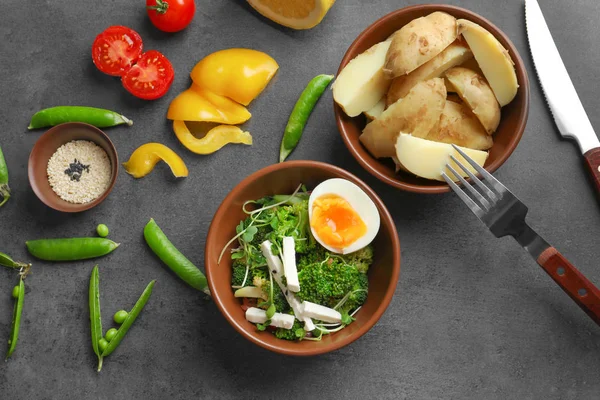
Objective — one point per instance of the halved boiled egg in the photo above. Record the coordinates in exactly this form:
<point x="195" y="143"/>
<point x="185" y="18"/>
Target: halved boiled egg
<point x="343" y="218"/>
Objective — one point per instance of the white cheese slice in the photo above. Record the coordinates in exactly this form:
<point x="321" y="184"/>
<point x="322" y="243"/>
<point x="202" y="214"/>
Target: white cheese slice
<point x="285" y="321"/>
<point x="320" y="312"/>
<point x="309" y="325"/>
<point x="256" y="315"/>
<point x="273" y="261"/>
<point x="289" y="264"/>
<point x="279" y="320"/>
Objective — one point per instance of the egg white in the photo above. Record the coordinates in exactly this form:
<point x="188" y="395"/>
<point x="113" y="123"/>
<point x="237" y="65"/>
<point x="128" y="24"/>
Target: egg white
<point x="358" y="200"/>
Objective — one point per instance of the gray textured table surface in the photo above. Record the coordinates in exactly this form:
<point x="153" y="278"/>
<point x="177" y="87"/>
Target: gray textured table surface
<point x="473" y="317"/>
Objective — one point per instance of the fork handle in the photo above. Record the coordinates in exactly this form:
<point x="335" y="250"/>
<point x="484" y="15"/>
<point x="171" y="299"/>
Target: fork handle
<point x="592" y="160"/>
<point x="574" y="283"/>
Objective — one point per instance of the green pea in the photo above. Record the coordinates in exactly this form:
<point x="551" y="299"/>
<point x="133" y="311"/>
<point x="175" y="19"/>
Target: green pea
<point x="102" y="344"/>
<point x="15" y="292"/>
<point x="102" y="230"/>
<point x="110" y="334"/>
<point x="120" y="316"/>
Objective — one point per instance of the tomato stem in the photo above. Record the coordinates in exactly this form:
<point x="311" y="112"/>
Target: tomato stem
<point x="161" y="7"/>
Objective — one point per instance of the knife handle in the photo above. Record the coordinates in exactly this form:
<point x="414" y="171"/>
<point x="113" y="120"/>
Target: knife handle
<point x="574" y="283"/>
<point x="592" y="160"/>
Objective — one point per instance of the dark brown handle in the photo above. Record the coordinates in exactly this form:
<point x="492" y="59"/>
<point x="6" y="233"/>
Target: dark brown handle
<point x="592" y="160"/>
<point x="573" y="282"/>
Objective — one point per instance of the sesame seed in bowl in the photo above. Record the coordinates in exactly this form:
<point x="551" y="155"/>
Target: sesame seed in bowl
<point x="79" y="171"/>
<point x="73" y="167"/>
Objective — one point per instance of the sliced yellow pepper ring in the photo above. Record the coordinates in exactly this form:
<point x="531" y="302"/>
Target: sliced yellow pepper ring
<point x="145" y="157"/>
<point x="240" y="74"/>
<point x="216" y="138"/>
<point x="198" y="104"/>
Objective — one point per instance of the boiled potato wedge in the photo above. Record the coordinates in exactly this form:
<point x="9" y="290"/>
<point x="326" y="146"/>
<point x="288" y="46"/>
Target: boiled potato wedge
<point x="418" y="113"/>
<point x="376" y="111"/>
<point x="459" y="126"/>
<point x="455" y="54"/>
<point x="418" y="42"/>
<point x="493" y="59"/>
<point x="362" y="83"/>
<point x="477" y="94"/>
<point x="428" y="159"/>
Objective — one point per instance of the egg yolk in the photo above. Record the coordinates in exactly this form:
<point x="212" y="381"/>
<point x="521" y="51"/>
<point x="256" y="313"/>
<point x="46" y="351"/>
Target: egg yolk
<point x="335" y="222"/>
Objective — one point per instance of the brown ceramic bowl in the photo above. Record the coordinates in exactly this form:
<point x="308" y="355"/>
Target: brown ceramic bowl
<point x="506" y="138"/>
<point x="284" y="178"/>
<point x="47" y="145"/>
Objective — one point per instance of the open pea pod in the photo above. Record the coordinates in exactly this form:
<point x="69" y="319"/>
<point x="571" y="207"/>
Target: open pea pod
<point x="7" y="261"/>
<point x="16" y="322"/>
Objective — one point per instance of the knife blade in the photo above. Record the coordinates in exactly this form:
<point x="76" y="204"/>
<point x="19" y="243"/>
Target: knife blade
<point x="568" y="112"/>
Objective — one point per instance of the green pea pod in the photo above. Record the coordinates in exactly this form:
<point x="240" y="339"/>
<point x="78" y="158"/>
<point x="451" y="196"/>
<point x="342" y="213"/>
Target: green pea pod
<point x="131" y="317"/>
<point x="177" y="262"/>
<point x="7" y="261"/>
<point x="70" y="249"/>
<point x="4" y="189"/>
<point x="302" y="110"/>
<point x="95" y="316"/>
<point x="16" y="322"/>
<point x="98" y="117"/>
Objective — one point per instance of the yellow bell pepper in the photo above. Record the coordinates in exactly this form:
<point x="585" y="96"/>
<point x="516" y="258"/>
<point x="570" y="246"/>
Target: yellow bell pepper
<point x="240" y="74"/>
<point x="216" y="138"/>
<point x="199" y="104"/>
<point x="145" y="157"/>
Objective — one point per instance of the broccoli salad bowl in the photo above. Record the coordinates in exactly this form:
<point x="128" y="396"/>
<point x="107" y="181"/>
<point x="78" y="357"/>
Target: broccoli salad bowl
<point x="302" y="258"/>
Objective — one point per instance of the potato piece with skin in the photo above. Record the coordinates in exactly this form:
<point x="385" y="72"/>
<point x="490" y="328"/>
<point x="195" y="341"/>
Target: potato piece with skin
<point x="493" y="59"/>
<point x="418" y="42"/>
<point x="418" y="113"/>
<point x="459" y="126"/>
<point x="455" y="54"/>
<point x="477" y="94"/>
<point x="428" y="159"/>
<point x="362" y="83"/>
<point x="376" y="111"/>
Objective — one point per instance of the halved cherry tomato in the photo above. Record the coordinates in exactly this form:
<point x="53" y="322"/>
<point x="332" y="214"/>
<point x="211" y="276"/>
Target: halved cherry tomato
<point x="170" y="15"/>
<point x="116" y="50"/>
<point x="151" y="77"/>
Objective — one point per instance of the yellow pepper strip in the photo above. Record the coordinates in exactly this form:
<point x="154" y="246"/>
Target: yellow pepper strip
<point x="198" y="104"/>
<point x="145" y="157"/>
<point x="216" y="138"/>
<point x="240" y="74"/>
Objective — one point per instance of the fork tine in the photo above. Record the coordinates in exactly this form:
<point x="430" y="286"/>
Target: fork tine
<point x="500" y="188"/>
<point x="491" y="195"/>
<point x="463" y="196"/>
<point x="482" y="200"/>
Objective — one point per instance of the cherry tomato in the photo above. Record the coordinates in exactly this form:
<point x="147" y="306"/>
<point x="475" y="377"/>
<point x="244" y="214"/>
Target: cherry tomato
<point x="116" y="49"/>
<point x="171" y="15"/>
<point x="151" y="77"/>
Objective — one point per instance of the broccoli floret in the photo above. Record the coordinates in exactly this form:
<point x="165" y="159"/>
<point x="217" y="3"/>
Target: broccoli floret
<point x="328" y="282"/>
<point x="296" y="333"/>
<point x="361" y="259"/>
<point x="238" y="273"/>
<point x="318" y="255"/>
<point x="281" y="303"/>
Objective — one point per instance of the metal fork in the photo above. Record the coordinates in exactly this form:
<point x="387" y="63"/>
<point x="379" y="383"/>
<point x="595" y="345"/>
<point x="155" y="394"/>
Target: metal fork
<point x="504" y="214"/>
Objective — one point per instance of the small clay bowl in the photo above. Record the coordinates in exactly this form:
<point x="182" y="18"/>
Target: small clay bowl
<point x="506" y="138"/>
<point x="280" y="179"/>
<point x="47" y="145"/>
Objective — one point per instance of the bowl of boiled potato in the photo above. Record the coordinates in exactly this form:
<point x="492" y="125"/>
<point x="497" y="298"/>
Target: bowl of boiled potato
<point x="422" y="79"/>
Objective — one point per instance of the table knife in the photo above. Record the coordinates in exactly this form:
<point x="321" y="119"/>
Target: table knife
<point x="568" y="112"/>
